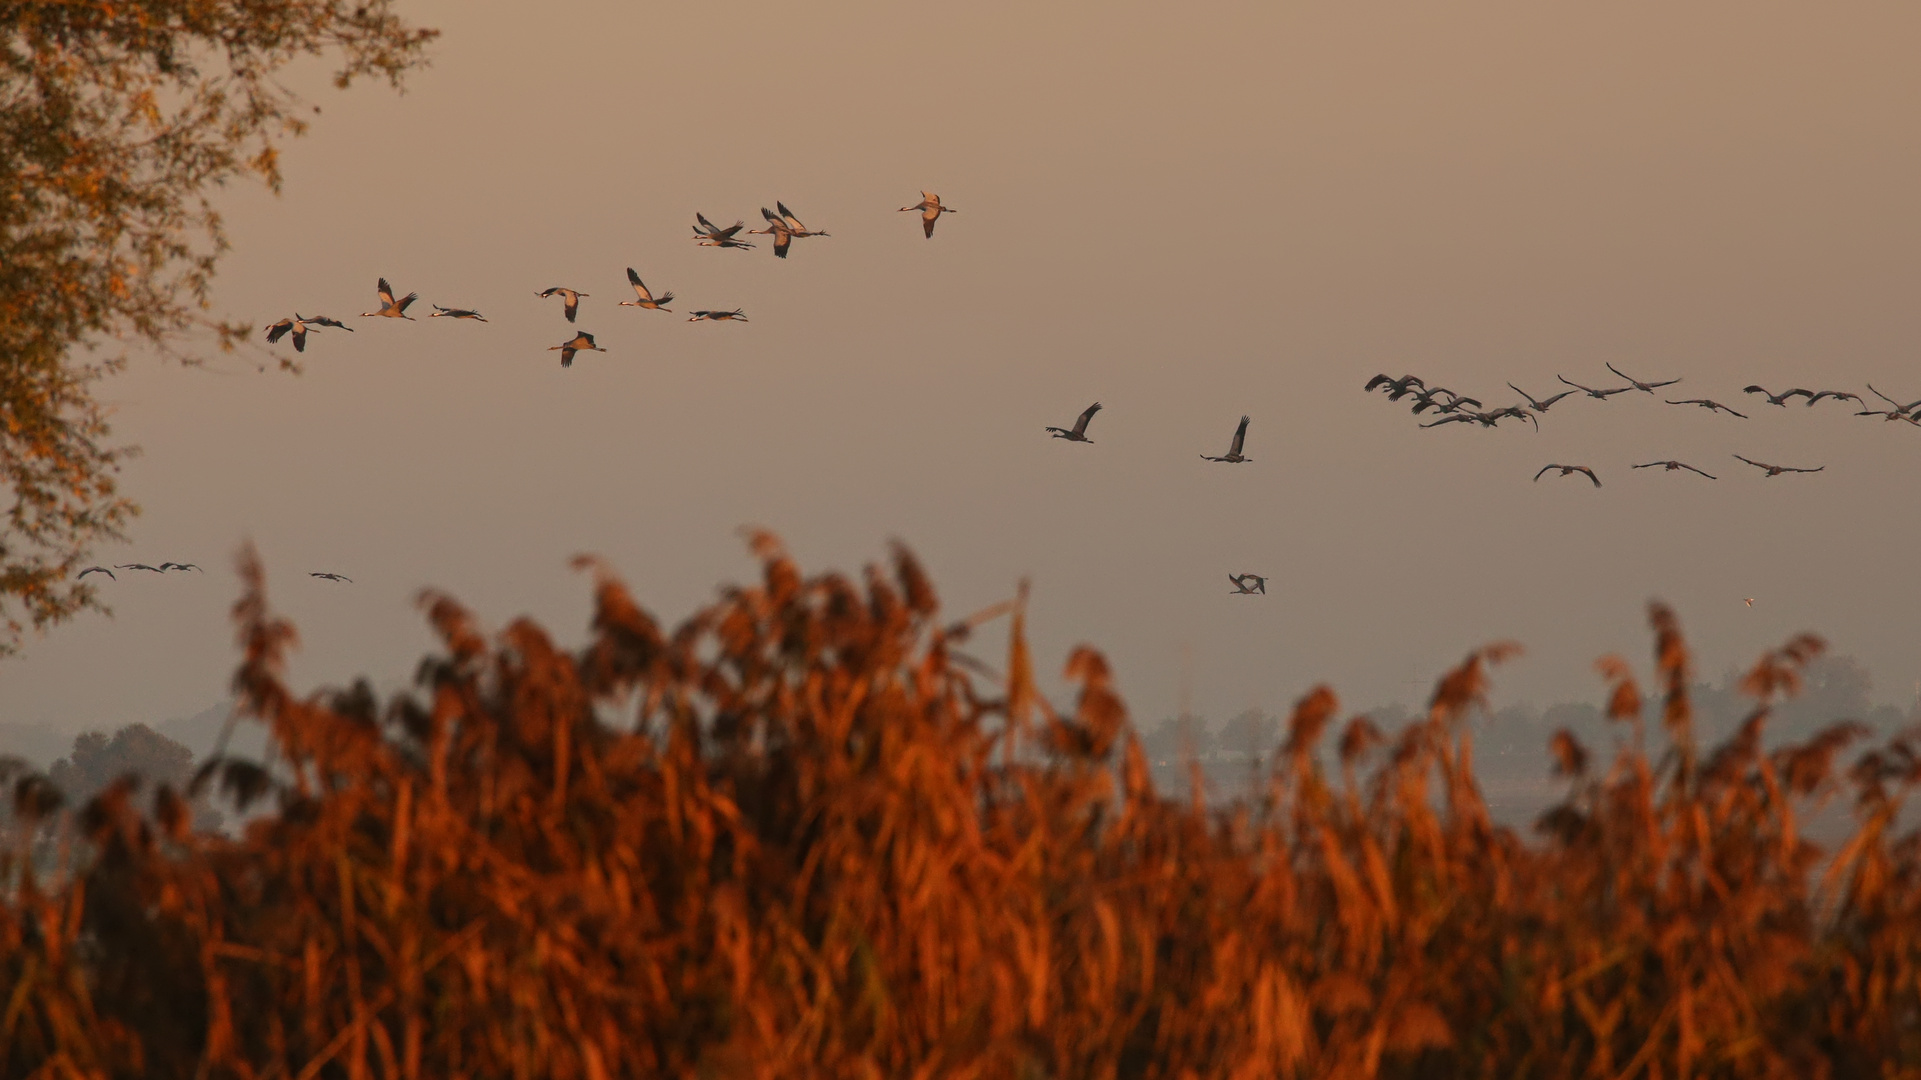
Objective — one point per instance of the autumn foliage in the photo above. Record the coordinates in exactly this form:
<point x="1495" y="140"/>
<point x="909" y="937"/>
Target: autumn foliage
<point x="803" y="835"/>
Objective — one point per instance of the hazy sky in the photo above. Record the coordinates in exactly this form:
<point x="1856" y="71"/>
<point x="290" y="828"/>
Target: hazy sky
<point x="1186" y="212"/>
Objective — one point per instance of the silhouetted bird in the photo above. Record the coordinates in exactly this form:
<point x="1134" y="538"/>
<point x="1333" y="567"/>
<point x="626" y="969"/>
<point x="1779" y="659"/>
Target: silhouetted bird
<point x="322" y="320"/>
<point x="1710" y="406"/>
<point x="1079" y="431"/>
<point x="1670" y="466"/>
<point x="96" y="570"/>
<point x="581" y="342"/>
<point x="930" y="211"/>
<point x="1247" y="584"/>
<point x="719" y="316"/>
<point x="1566" y="469"/>
<point x="1776" y="470"/>
<point x="1539" y="406"/>
<point x="645" y="299"/>
<point x="1645" y="387"/>
<point x="331" y="577"/>
<point x="1781" y="398"/>
<point x="181" y="566"/>
<point x="389" y="307"/>
<point x="1234" y="450"/>
<point x="455" y="313"/>
<point x="1601" y="395"/>
<point x="570" y="299"/>
<point x="1908" y="408"/>
<point x="1838" y="395"/>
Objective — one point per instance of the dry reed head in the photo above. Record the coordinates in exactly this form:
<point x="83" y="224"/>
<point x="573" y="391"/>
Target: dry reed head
<point x="797" y="836"/>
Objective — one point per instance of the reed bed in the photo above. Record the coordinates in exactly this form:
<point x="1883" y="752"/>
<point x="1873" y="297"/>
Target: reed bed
<point x="802" y="835"/>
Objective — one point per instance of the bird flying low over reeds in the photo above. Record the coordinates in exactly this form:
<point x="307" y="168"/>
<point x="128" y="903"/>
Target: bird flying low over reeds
<point x="296" y="326"/>
<point x="643" y="298"/>
<point x="1599" y="395"/>
<point x="1634" y="383"/>
<point x="581" y="342"/>
<point x="1233" y="454"/>
<point x="389" y="307"/>
<point x="456" y="313"/>
<point x="1078" y="433"/>
<point x="708" y="234"/>
<point x="1711" y="406"/>
<point x="930" y="211"/>
<point x="1776" y="470"/>
<point x="1248" y="584"/>
<point x="328" y="576"/>
<point x="570" y="299"/>
<point x="719" y="316"/>
<point x="96" y="570"/>
<point x="1567" y="469"/>
<point x="1671" y="466"/>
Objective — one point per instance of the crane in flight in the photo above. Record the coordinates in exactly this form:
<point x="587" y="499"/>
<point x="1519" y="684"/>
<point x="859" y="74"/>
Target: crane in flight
<point x="96" y="570"/>
<point x="181" y="566"/>
<point x="581" y="342"/>
<point x="1671" y="466"/>
<point x="297" y="326"/>
<point x="1566" y="469"/>
<point x="456" y="313"/>
<point x="1598" y="395"/>
<point x="1248" y="584"/>
<point x="1838" y="395"/>
<point x="1233" y="454"/>
<point x="1781" y="398"/>
<point x="331" y="576"/>
<point x="137" y="566"/>
<point x="389" y="307"/>
<point x="930" y="211"/>
<point x="708" y="234"/>
<point x="1776" y="470"/>
<point x="570" y="299"/>
<point x="1710" y="406"/>
<point x="1645" y="387"/>
<point x="1539" y="406"/>
<point x="719" y="316"/>
<point x="1078" y="433"/>
<point x="643" y="298"/>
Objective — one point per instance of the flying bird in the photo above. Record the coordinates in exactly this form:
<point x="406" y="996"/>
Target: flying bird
<point x="1234" y="450"/>
<point x="1079" y="431"/>
<point x="1838" y="395"/>
<point x="96" y="570"/>
<point x="136" y="566"/>
<point x="645" y="299"/>
<point x="1670" y="466"/>
<point x="1710" y="406"/>
<point x="930" y="211"/>
<point x="389" y="307"/>
<point x="1538" y="406"/>
<point x="1776" y="470"/>
<point x="1898" y="407"/>
<point x="580" y="342"/>
<point x="1566" y="469"/>
<point x="719" y="316"/>
<point x="1248" y="584"/>
<point x="455" y="313"/>
<point x="776" y="228"/>
<point x="297" y="326"/>
<point x="180" y="566"/>
<point x="331" y="577"/>
<point x="1429" y="399"/>
<point x="1601" y="395"/>
<point x="1749" y="601"/>
<point x="1645" y="387"/>
<point x="793" y="223"/>
<point x="1781" y="398"/>
<point x="570" y="297"/>
<point x="1397" y="388"/>
<point x="708" y="234"/>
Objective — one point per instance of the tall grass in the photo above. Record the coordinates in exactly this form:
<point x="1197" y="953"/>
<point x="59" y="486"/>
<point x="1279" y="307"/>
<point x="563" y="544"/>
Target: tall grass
<point x="797" y="836"/>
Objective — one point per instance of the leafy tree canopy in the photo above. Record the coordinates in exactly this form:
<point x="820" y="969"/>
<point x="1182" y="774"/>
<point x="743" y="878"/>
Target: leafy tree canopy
<point x="117" y="120"/>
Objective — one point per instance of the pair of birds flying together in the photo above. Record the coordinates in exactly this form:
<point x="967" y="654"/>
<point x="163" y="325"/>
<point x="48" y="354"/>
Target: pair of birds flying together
<point x="782" y="225"/>
<point x="1078" y="433"/>
<point x="1248" y="584"/>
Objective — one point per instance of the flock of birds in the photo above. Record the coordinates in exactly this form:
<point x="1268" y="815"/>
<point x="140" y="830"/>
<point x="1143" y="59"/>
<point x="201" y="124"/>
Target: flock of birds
<point x="1449" y="407"/>
<point x="782" y="225"/>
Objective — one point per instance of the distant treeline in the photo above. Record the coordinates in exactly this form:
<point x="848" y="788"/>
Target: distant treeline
<point x="799" y="836"/>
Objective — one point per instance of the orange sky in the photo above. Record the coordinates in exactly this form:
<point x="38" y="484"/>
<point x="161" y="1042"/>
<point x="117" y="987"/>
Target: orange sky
<point x="1187" y="212"/>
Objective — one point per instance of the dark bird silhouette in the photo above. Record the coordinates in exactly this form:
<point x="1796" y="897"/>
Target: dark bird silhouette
<point x="1898" y="407"/>
<point x="96" y="570"/>
<point x="643" y="298"/>
<point x="1710" y="406"/>
<point x="581" y="342"/>
<point x="1397" y="388"/>
<point x="1566" y="469"/>
<point x="569" y="297"/>
<point x="1838" y="395"/>
<point x="1601" y="395"/>
<point x="297" y="326"/>
<point x="930" y="211"/>
<point x="1645" y="387"/>
<point x="455" y="313"/>
<point x="1776" y="470"/>
<point x="708" y="234"/>
<point x="1781" y="398"/>
<point x="1078" y="433"/>
<point x="1670" y="466"/>
<point x="181" y="566"/>
<point x="1248" y="584"/>
<point x="1430" y="399"/>
<point x="1539" y="406"/>
<point x="1234" y="450"/>
<point x="331" y="577"/>
<point x="322" y="320"/>
<point x="137" y="566"/>
<point x="389" y="307"/>
<point x="719" y="316"/>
